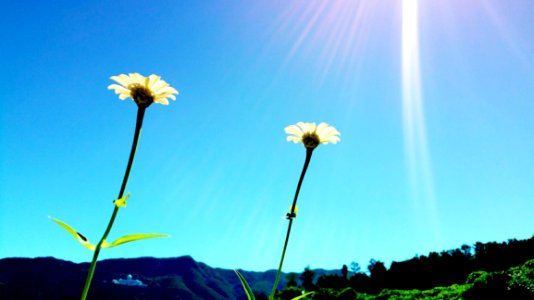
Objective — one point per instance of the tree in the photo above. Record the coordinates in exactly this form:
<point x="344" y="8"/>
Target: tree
<point x="291" y="280"/>
<point x="345" y="271"/>
<point x="378" y="272"/>
<point x="307" y="279"/>
<point x="377" y="269"/>
<point x="333" y="281"/>
<point x="466" y="250"/>
<point x="360" y="282"/>
<point x="355" y="267"/>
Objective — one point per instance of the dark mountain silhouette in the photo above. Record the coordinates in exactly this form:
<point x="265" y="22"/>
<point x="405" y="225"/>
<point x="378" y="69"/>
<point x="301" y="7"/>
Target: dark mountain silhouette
<point x="163" y="278"/>
<point x="184" y="278"/>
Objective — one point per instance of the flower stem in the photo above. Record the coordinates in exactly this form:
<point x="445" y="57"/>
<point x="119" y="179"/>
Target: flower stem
<point x="138" y="125"/>
<point x="292" y="213"/>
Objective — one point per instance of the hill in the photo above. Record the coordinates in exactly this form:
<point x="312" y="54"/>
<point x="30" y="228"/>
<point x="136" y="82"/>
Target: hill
<point x="484" y="269"/>
<point x="160" y="278"/>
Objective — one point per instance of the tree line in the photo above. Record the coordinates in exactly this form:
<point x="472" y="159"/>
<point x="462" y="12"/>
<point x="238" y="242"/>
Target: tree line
<point x="421" y="272"/>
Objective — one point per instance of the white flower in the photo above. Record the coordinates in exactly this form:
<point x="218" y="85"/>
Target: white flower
<point x="143" y="90"/>
<point x="311" y="135"/>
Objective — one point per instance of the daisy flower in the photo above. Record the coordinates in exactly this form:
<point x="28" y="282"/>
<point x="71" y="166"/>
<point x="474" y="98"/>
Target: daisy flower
<point x="311" y="135"/>
<point x="143" y="90"/>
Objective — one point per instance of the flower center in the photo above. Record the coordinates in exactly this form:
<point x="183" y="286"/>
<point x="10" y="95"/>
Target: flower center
<point x="141" y="95"/>
<point x="310" y="140"/>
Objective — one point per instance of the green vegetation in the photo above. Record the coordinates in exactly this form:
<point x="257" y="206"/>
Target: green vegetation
<point x="485" y="271"/>
<point x="514" y="283"/>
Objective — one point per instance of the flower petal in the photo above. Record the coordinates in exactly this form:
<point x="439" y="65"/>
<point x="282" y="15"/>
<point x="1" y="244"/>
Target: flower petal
<point x="294" y="139"/>
<point x="320" y="128"/>
<point x="122" y="80"/>
<point x="325" y="133"/>
<point x="124" y="96"/>
<point x="161" y="100"/>
<point x="328" y="132"/>
<point x="158" y="88"/>
<point x="303" y="126"/>
<point x="292" y="129"/>
<point x="158" y="85"/>
<point x="166" y="90"/>
<point x="119" y="89"/>
<point x="152" y="79"/>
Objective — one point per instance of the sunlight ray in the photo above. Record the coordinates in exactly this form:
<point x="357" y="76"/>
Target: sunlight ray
<point x="338" y="45"/>
<point x="416" y="148"/>
<point x="307" y="30"/>
<point x="508" y="38"/>
<point x="354" y="44"/>
<point x="332" y="33"/>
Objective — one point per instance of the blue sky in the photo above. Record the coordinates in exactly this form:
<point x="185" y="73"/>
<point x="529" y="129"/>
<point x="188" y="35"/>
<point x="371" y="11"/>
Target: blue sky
<point x="213" y="168"/>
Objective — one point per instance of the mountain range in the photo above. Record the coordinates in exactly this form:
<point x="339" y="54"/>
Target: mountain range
<point x="507" y="265"/>
<point x="137" y="278"/>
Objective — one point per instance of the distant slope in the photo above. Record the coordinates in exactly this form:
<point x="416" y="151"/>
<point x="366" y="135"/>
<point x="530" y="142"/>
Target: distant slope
<point x="165" y="278"/>
<point x="184" y="278"/>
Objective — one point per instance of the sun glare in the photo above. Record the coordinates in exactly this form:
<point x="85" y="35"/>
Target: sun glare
<point x="416" y="148"/>
<point x="337" y="30"/>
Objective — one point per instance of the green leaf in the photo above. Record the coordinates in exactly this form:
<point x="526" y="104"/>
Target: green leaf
<point x="302" y="296"/>
<point x="246" y="287"/>
<point x="131" y="238"/>
<point x="78" y="236"/>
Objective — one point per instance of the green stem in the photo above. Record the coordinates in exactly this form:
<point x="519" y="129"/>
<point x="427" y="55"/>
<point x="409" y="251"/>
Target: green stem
<point x="138" y="125"/>
<point x="291" y="216"/>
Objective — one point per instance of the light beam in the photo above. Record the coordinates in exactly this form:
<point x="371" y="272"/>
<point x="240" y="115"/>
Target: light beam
<point x="415" y="143"/>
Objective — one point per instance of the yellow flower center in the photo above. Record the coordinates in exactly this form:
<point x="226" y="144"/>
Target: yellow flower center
<point x="310" y="140"/>
<point x="141" y="95"/>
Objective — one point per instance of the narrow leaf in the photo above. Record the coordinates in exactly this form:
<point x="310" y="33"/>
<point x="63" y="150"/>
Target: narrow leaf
<point x="78" y="236"/>
<point x="302" y="296"/>
<point x="246" y="287"/>
<point x="131" y="238"/>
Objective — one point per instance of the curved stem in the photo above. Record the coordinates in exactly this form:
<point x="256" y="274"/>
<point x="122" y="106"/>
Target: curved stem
<point x="290" y="217"/>
<point x="138" y="125"/>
